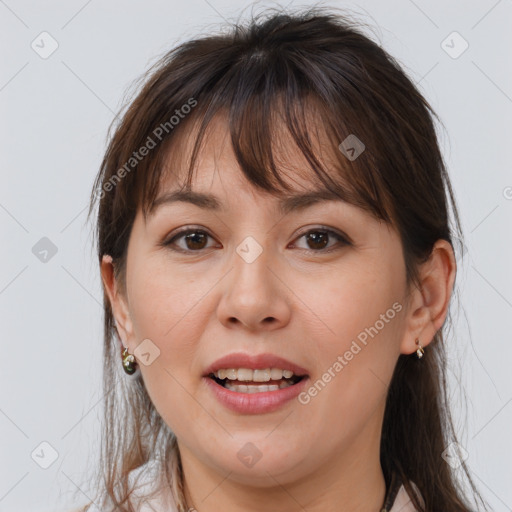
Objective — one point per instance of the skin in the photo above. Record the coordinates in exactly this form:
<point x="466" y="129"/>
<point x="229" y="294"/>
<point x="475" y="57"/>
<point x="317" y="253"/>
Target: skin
<point x="199" y="306"/>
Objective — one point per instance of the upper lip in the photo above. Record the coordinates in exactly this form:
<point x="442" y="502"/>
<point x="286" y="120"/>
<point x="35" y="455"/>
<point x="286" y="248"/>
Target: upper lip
<point x="254" y="362"/>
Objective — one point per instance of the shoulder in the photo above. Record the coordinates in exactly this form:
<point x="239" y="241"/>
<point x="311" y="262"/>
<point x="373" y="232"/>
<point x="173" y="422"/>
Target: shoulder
<point x="403" y="502"/>
<point x="149" y="495"/>
<point x="150" y="492"/>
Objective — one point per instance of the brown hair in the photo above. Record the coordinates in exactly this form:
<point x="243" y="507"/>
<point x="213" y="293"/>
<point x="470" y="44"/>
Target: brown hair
<point x="282" y="62"/>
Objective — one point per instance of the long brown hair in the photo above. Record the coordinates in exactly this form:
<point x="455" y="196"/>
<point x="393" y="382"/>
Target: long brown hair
<point x="285" y="62"/>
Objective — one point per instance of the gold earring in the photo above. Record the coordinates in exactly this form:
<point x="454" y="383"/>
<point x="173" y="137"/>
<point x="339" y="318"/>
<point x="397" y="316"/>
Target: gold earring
<point x="420" y="350"/>
<point x="128" y="362"/>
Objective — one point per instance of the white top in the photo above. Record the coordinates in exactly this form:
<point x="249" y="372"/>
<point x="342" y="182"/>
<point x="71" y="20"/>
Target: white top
<point x="164" y="502"/>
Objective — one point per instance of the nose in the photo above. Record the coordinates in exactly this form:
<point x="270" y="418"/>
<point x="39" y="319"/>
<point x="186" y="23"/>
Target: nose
<point x="254" y="296"/>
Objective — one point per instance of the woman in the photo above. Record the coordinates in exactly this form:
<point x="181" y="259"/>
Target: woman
<point x="276" y="253"/>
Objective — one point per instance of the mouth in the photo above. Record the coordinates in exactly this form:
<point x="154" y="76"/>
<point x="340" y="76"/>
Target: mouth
<point x="255" y="383"/>
<point x="249" y="381"/>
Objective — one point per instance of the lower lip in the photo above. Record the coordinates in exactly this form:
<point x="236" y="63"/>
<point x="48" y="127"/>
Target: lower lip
<point x="255" y="403"/>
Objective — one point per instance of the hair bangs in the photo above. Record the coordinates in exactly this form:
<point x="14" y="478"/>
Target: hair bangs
<point x="272" y="112"/>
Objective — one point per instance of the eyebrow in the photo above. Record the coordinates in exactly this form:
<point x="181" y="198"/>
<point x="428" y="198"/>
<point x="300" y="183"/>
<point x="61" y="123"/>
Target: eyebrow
<point x="287" y="204"/>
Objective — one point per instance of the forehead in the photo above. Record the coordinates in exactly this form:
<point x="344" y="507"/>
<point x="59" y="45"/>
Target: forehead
<point x="216" y="160"/>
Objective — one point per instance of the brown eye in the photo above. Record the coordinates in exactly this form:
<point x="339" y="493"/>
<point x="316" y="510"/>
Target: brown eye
<point x="194" y="240"/>
<point x="317" y="240"/>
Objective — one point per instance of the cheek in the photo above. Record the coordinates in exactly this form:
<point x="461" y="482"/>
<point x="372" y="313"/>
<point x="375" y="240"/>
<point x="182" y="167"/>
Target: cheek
<point x="351" y="300"/>
<point x="363" y="312"/>
<point x="165" y="309"/>
<point x="163" y="301"/>
<point x="163" y="306"/>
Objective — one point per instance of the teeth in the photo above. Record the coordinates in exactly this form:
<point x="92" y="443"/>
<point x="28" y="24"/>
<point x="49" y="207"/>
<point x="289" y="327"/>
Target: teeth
<point x="261" y="375"/>
<point x="231" y="374"/>
<point x="248" y="375"/>
<point x="245" y="374"/>
<point x="276" y="374"/>
<point x="243" y="388"/>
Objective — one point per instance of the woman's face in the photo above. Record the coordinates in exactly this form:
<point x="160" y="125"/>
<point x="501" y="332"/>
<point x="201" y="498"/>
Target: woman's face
<point x="257" y="280"/>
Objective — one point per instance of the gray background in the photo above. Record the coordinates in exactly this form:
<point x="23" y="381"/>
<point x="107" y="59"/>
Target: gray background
<point x="54" y="118"/>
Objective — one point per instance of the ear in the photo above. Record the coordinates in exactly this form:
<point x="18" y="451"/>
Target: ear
<point x="118" y="302"/>
<point x="429" y="304"/>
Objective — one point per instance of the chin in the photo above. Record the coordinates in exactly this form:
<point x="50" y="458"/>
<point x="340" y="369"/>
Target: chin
<point x="259" y="462"/>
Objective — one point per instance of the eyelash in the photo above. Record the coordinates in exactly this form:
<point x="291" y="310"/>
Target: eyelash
<point x="181" y="234"/>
